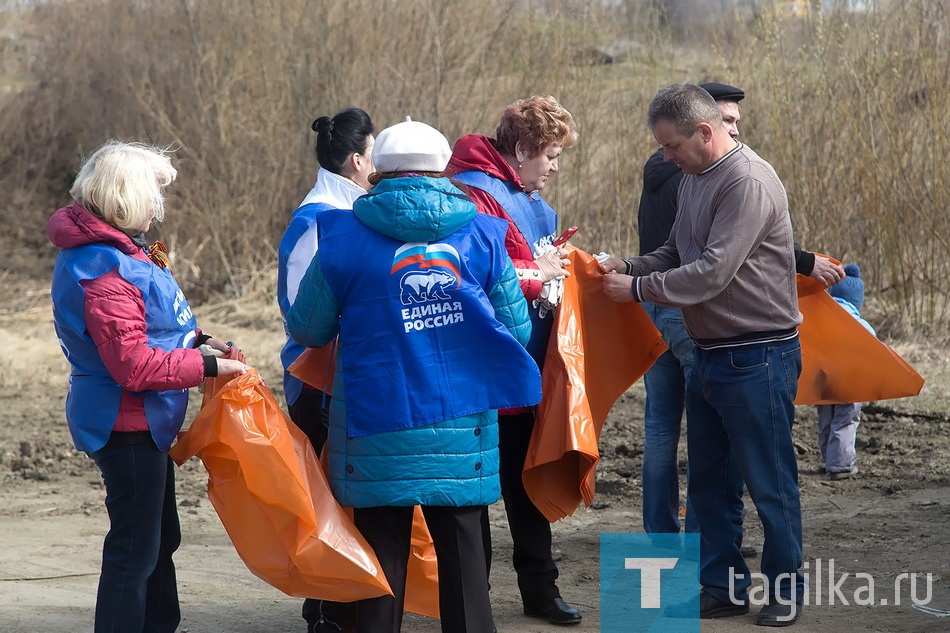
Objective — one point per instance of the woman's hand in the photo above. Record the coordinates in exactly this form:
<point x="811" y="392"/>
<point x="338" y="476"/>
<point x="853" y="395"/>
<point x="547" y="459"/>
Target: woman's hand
<point x="225" y="349"/>
<point x="222" y="346"/>
<point x="551" y="265"/>
<point x="228" y="368"/>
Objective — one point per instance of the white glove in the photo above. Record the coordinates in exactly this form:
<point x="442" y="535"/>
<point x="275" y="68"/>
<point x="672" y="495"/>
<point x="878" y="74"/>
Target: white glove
<point x="602" y="257"/>
<point x="552" y="289"/>
<point x="551" y="293"/>
<point x="549" y="263"/>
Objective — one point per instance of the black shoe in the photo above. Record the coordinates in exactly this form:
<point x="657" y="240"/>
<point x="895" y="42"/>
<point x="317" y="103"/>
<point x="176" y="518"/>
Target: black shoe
<point x="748" y="551"/>
<point x="555" y="611"/>
<point x="709" y="608"/>
<point x="778" y="614"/>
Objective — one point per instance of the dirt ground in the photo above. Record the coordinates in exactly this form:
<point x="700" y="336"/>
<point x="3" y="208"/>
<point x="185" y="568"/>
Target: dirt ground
<point x="891" y="519"/>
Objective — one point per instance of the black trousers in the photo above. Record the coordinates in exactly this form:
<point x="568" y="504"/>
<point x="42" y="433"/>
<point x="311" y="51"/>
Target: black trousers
<point x="311" y="416"/>
<point x="463" y="575"/>
<point x="530" y="530"/>
<point x="311" y="413"/>
<point x="137" y="586"/>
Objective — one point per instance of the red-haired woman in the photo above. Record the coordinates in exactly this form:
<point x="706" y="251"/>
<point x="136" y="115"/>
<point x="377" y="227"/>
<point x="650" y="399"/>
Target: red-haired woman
<point x="504" y="175"/>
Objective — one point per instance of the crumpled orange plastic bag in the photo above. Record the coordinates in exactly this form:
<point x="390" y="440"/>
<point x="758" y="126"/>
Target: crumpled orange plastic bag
<point x="841" y="361"/>
<point x="422" y="574"/>
<point x="598" y="350"/>
<point x="272" y="496"/>
<point x="315" y="366"/>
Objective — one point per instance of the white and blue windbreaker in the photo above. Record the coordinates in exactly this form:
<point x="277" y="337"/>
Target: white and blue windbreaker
<point x="297" y="249"/>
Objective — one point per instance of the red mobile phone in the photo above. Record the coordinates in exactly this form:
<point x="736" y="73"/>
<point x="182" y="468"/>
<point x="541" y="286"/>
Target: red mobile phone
<point x="565" y="236"/>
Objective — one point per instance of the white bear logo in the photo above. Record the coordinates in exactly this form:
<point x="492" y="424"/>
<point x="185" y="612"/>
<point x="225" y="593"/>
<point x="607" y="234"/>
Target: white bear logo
<point x="420" y="286"/>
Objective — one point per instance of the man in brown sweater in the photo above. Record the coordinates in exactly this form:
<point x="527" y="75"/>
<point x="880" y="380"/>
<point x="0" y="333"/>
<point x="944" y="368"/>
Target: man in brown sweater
<point x="729" y="264"/>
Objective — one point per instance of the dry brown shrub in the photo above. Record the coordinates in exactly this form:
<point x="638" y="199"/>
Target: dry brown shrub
<point x="850" y="108"/>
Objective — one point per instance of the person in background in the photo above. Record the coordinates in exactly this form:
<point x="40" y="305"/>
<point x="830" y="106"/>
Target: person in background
<point x="838" y="423"/>
<point x="431" y="324"/>
<point x="132" y="344"/>
<point x="344" y="151"/>
<point x="504" y="176"/>
<point x="665" y="382"/>
<point x="729" y="264"/>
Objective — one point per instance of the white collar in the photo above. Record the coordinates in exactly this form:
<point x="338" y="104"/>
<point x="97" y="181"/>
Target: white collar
<point x="337" y="191"/>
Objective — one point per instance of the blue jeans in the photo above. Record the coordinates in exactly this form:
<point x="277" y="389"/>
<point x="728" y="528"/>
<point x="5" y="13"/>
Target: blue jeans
<point x="739" y="427"/>
<point x="137" y="586"/>
<point x="665" y="384"/>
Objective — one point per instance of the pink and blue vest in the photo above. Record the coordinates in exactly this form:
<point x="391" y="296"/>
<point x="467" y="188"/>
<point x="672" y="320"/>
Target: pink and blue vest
<point x="94" y="396"/>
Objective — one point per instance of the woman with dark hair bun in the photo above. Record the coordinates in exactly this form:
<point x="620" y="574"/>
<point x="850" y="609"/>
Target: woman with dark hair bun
<point x="344" y="150"/>
<point x="342" y="136"/>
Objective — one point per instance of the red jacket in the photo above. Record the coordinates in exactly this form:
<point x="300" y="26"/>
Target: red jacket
<point x="475" y="152"/>
<point x="114" y="313"/>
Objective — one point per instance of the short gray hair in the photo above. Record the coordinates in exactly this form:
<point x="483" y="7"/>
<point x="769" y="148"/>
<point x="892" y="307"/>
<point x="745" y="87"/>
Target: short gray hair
<point x="122" y="183"/>
<point x="685" y="105"/>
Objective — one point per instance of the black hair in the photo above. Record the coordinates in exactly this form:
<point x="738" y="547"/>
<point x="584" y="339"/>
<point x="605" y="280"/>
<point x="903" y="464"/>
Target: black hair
<point x="340" y="136"/>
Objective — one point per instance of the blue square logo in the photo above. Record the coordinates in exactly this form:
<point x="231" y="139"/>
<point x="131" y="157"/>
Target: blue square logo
<point x="649" y="587"/>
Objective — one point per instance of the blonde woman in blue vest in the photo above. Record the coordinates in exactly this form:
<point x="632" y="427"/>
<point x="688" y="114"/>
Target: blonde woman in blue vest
<point x="431" y="325"/>
<point x="132" y="343"/>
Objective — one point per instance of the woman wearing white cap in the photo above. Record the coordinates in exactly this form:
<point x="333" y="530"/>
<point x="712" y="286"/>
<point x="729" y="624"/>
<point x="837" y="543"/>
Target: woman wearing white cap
<point x="427" y="306"/>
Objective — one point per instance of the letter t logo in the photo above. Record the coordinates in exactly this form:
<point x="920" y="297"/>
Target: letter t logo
<point x="649" y="578"/>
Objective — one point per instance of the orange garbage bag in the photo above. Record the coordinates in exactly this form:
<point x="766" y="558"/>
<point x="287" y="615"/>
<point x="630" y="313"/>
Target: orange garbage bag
<point x="843" y="362"/>
<point x="422" y="577"/>
<point x="272" y="496"/>
<point x="598" y="350"/>
<point x="315" y="366"/>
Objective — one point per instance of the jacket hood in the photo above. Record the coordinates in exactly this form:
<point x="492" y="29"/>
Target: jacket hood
<point x="476" y="152"/>
<point x="73" y="226"/>
<point x="657" y="171"/>
<point x="415" y="208"/>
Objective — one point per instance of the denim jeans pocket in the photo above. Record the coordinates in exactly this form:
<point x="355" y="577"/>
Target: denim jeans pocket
<point x="669" y="320"/>
<point x="792" y="361"/>
<point x="745" y="358"/>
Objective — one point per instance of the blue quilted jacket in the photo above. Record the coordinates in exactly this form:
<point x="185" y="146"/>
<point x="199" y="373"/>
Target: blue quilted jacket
<point x="452" y="462"/>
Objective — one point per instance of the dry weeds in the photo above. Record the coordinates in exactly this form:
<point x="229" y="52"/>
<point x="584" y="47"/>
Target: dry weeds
<point x="851" y="108"/>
